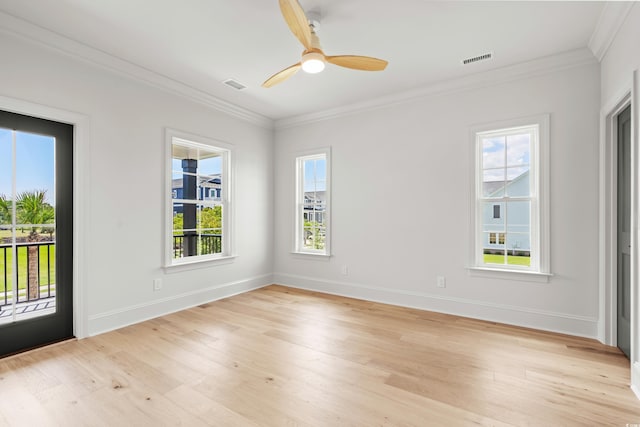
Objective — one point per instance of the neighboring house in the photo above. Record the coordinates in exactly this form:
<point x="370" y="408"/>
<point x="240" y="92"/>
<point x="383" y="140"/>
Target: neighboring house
<point x="514" y="235"/>
<point x="209" y="189"/>
<point x="314" y="206"/>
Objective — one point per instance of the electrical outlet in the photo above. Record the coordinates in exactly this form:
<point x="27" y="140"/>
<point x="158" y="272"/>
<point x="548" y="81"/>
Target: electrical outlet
<point x="441" y="282"/>
<point x="344" y="270"/>
<point x="157" y="284"/>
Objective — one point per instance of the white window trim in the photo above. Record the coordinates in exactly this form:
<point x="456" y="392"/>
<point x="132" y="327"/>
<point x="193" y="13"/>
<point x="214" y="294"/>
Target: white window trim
<point x="228" y="217"/>
<point x="540" y="234"/>
<point x="298" y="248"/>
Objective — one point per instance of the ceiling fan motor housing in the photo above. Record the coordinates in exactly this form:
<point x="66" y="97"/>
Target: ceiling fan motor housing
<point x="313" y="61"/>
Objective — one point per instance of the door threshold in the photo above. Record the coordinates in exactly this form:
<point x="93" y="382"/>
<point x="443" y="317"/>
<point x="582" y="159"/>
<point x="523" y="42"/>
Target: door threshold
<point x="35" y="349"/>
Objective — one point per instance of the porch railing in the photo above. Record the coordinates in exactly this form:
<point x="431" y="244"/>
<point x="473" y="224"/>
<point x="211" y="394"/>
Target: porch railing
<point x="46" y="277"/>
<point x="207" y="244"/>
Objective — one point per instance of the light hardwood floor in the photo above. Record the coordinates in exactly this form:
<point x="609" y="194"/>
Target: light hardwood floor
<point x="284" y="357"/>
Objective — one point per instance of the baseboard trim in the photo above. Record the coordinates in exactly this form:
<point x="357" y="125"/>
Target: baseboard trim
<point x="635" y="379"/>
<point x="518" y="316"/>
<point x="116" y="319"/>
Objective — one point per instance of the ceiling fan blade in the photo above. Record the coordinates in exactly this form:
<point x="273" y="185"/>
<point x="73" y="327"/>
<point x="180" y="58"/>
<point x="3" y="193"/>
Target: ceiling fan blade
<point x="281" y="76"/>
<point x="297" y="21"/>
<point x="365" y="63"/>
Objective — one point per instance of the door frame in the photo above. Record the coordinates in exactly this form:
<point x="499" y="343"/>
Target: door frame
<point x="81" y="185"/>
<point x="608" y="241"/>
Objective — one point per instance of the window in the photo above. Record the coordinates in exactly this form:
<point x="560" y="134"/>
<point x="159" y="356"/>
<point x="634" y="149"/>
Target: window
<point x="312" y="203"/>
<point x="198" y="224"/>
<point x="496" y="241"/>
<point x="510" y="198"/>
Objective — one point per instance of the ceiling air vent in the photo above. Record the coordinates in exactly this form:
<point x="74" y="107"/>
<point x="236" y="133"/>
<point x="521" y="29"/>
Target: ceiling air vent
<point x="234" y="84"/>
<point x="484" y="57"/>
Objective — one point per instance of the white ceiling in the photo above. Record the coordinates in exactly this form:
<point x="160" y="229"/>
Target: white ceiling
<point x="203" y="42"/>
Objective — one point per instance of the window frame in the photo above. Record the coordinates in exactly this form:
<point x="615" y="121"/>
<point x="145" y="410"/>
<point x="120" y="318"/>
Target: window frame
<point x="228" y="167"/>
<point x="298" y="232"/>
<point x="540" y="268"/>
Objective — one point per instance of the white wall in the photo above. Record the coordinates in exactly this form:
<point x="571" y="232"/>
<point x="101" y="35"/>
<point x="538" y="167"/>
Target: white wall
<point x="401" y="203"/>
<point x="123" y="185"/>
<point x="617" y="68"/>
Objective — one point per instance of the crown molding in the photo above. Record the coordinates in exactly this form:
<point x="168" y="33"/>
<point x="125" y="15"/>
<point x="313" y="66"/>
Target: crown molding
<point x="611" y="19"/>
<point x="554" y="63"/>
<point x="14" y="26"/>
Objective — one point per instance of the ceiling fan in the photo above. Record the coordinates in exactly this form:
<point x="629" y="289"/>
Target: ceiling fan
<point x="313" y="58"/>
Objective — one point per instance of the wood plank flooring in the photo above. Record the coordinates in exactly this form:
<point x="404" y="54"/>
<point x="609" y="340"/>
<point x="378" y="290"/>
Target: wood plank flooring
<point x="284" y="357"/>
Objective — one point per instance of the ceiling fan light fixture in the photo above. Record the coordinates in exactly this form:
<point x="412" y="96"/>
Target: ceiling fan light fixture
<point x="304" y="27"/>
<point x="313" y="62"/>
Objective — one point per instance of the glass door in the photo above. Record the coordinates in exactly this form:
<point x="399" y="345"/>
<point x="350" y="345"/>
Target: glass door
<point x="36" y="238"/>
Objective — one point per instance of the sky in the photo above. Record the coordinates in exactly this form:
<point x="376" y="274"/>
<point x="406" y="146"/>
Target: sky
<point x="315" y="175"/>
<point x="35" y="163"/>
<point x="511" y="152"/>
<point x="208" y="166"/>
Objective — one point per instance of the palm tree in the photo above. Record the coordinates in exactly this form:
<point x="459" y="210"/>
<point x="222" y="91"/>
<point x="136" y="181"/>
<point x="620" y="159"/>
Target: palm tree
<point x="33" y="210"/>
<point x="5" y="210"/>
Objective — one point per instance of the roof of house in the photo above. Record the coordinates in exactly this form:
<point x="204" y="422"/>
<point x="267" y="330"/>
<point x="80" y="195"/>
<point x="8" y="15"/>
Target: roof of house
<point x="206" y="182"/>
<point x="493" y="187"/>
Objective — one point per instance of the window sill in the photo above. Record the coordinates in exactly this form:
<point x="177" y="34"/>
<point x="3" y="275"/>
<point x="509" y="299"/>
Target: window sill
<point x="311" y="256"/>
<point x="498" y="273"/>
<point x="200" y="263"/>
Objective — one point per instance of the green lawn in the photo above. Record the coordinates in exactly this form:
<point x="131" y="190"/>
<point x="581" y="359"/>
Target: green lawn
<point x="511" y="260"/>
<point x="22" y="267"/>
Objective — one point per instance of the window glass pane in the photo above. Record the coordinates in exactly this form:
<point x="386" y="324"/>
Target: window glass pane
<point x="518" y="182"/>
<point x="494" y="256"/>
<point x="35" y="183"/>
<point x="5" y="234"/>
<point x="197" y="163"/>
<point x="489" y="223"/>
<point x="518" y="214"/>
<point x="177" y="217"/>
<point x="493" y="183"/>
<point x="519" y="233"/>
<point x="315" y="175"/>
<point x="209" y="244"/>
<point x="5" y="179"/>
<point x="314" y="238"/>
<point x="209" y="220"/>
<point x="176" y="188"/>
<point x="6" y="266"/>
<point x="201" y="235"/>
<point x="518" y="252"/>
<point x="493" y="152"/>
<point x="518" y="150"/>
<point x="210" y="188"/>
<point x="178" y="231"/>
<point x="210" y="163"/>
